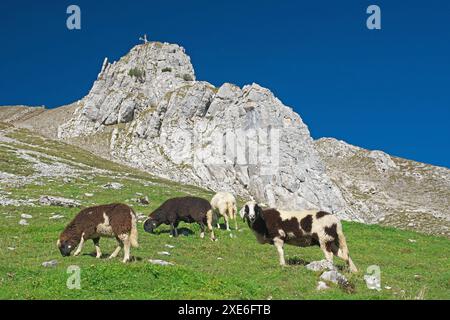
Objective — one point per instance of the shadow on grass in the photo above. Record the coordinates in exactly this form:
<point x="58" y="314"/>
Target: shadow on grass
<point x="106" y="256"/>
<point x="296" y="261"/>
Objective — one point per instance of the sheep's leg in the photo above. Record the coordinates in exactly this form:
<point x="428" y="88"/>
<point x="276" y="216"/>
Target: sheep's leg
<point x="279" y="243"/>
<point x="235" y="223"/>
<point x="80" y="246"/>
<point x="202" y="230"/>
<point x="126" y="247"/>
<point x="347" y="259"/>
<point x="224" y="213"/>
<point x="173" y="229"/>
<point x="218" y="224"/>
<point x="209" y="217"/>
<point x="326" y="251"/>
<point x="116" y="252"/>
<point x="97" y="248"/>
<point x="227" y="222"/>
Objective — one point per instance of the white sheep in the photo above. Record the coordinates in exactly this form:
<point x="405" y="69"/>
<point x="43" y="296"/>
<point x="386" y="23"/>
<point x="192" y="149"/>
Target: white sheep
<point x="225" y="204"/>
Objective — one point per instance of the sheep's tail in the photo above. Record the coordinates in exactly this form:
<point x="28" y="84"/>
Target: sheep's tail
<point x="133" y="232"/>
<point x="343" y="249"/>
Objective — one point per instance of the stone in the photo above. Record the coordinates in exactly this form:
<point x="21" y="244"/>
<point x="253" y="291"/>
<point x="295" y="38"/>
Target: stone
<point x="26" y="216"/>
<point x="164" y="253"/>
<point x="23" y="222"/>
<point x="334" y="277"/>
<point x="322" y="286"/>
<point x="49" y="264"/>
<point x="143" y="200"/>
<point x="58" y="201"/>
<point x="160" y="262"/>
<point x="56" y="216"/>
<point x="320" y="265"/>
<point x="169" y="246"/>
<point x="113" y="185"/>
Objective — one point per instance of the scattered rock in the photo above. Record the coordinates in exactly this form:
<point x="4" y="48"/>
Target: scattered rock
<point x="372" y="282"/>
<point x="412" y="240"/>
<point x="56" y="216"/>
<point x="51" y="263"/>
<point x="322" y="286"/>
<point x="160" y="262"/>
<point x="113" y="185"/>
<point x="89" y="194"/>
<point x="334" y="277"/>
<point x="169" y="246"/>
<point x="59" y="201"/>
<point x="164" y="253"/>
<point x="11" y="248"/>
<point x="387" y="287"/>
<point x="26" y="216"/>
<point x="320" y="265"/>
<point x="143" y="200"/>
<point x="219" y="258"/>
<point x="23" y="222"/>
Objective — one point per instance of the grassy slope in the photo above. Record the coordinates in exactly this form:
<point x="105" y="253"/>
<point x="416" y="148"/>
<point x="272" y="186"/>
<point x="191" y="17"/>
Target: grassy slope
<point x="247" y="270"/>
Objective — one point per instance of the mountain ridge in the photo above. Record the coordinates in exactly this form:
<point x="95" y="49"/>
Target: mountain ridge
<point x="147" y="110"/>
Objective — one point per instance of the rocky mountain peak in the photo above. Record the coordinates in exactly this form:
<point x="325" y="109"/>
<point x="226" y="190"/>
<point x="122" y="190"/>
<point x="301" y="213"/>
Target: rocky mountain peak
<point x="162" y="120"/>
<point x="147" y="110"/>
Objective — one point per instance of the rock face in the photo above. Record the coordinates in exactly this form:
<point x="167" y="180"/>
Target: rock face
<point x="157" y="117"/>
<point x="147" y="110"/>
<point x="389" y="190"/>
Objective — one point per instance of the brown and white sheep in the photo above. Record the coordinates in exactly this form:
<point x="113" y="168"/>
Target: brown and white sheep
<point x="299" y="228"/>
<point x="186" y="209"/>
<point x="110" y="220"/>
<point x="225" y="204"/>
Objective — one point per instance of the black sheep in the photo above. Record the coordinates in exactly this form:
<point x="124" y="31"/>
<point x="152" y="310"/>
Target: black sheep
<point x="187" y="209"/>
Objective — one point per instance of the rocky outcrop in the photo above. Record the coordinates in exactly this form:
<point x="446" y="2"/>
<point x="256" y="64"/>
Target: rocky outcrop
<point x="389" y="190"/>
<point x="148" y="110"/>
<point x="160" y="119"/>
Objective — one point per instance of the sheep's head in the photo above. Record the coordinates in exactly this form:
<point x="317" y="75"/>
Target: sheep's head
<point x="250" y="211"/>
<point x="66" y="246"/>
<point x="150" y="225"/>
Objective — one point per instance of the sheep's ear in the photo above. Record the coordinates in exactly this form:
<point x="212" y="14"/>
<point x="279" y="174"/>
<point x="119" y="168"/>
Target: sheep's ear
<point x="242" y="212"/>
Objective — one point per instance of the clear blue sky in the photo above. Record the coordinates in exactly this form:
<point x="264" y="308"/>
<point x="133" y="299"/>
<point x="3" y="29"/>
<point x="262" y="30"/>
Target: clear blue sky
<point x="386" y="89"/>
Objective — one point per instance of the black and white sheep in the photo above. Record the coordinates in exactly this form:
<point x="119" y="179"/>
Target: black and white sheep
<point x="186" y="209"/>
<point x="299" y="228"/>
<point x="225" y="204"/>
<point x="111" y="220"/>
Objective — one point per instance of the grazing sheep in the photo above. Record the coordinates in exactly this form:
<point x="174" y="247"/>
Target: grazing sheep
<point x="111" y="220"/>
<point x="299" y="228"/>
<point x="225" y="204"/>
<point x="187" y="209"/>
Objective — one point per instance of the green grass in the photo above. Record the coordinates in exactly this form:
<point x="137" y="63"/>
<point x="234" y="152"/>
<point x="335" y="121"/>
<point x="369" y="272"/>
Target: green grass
<point x="247" y="269"/>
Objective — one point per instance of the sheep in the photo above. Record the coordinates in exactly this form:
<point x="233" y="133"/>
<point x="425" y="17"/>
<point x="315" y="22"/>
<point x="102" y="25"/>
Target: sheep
<point x="225" y="204"/>
<point x="299" y="228"/>
<point x="187" y="209"/>
<point x="110" y="220"/>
